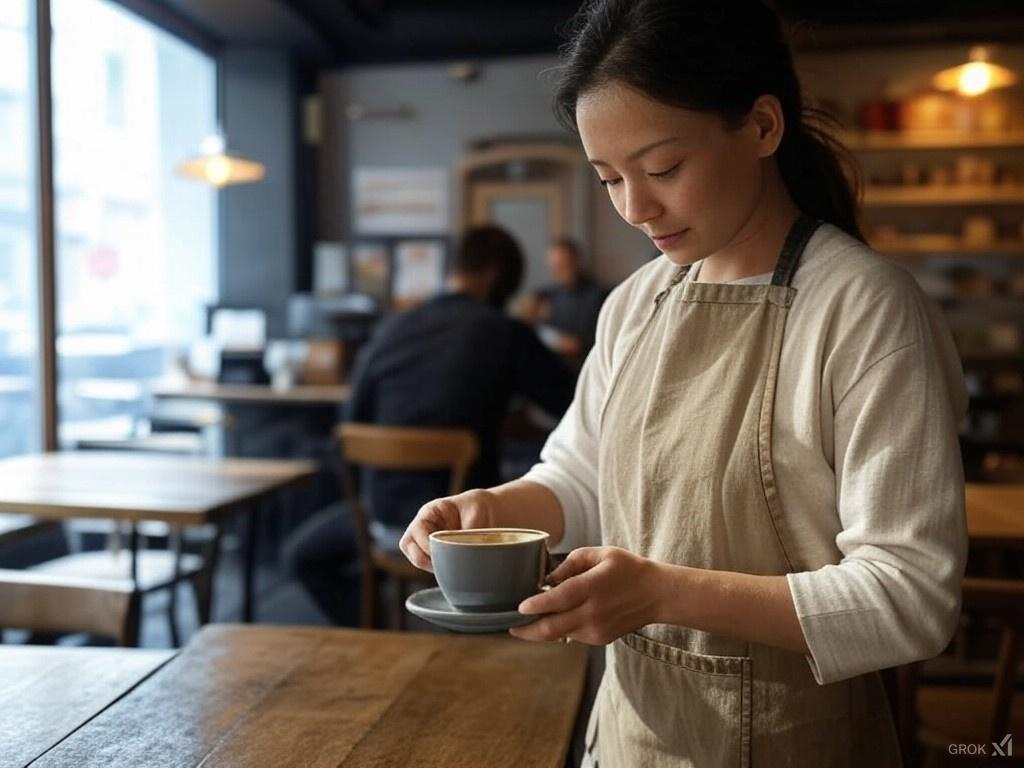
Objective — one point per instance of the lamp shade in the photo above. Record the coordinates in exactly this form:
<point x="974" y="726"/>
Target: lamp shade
<point x="217" y="166"/>
<point x="975" y="77"/>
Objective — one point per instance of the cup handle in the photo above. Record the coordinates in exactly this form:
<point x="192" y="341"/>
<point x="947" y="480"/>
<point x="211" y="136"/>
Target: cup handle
<point x="548" y="563"/>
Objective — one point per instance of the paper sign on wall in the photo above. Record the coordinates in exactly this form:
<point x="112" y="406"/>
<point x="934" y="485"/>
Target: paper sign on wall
<point x="419" y="269"/>
<point x="400" y="201"/>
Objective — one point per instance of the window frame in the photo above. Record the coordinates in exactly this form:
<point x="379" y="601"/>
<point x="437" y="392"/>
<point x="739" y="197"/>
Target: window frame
<point x="41" y="84"/>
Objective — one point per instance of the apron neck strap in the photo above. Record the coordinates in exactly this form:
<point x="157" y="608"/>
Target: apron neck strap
<point x="796" y="240"/>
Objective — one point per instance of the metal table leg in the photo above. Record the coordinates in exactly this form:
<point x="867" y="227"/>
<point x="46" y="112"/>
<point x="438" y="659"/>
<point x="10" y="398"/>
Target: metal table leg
<point x="133" y="544"/>
<point x="175" y="540"/>
<point x="249" y="564"/>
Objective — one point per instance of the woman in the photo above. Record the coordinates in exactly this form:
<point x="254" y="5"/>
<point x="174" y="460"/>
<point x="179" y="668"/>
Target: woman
<point x="764" y="436"/>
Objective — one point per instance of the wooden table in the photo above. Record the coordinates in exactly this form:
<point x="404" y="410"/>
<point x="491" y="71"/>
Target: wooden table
<point x="253" y="393"/>
<point x="135" y="487"/>
<point x="995" y="514"/>
<point x="255" y="409"/>
<point x="283" y="696"/>
<point x="47" y="693"/>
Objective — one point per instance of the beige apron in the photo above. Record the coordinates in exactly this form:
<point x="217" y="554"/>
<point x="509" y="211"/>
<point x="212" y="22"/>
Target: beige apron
<point x="686" y="478"/>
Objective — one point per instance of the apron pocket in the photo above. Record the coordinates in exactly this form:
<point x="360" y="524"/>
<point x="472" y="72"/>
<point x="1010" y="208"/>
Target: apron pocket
<point x="677" y="708"/>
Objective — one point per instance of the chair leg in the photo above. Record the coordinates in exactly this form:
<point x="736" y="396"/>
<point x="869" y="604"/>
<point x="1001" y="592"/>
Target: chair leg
<point x="368" y="599"/>
<point x="399" y="607"/>
<point x="132" y="620"/>
<point x="174" y="539"/>
<point x="172" y="616"/>
<point x="903" y="682"/>
<point x="202" y="591"/>
<point x="202" y="583"/>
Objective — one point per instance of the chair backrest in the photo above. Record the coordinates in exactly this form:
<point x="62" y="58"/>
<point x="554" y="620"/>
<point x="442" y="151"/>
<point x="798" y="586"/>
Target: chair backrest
<point x="1003" y="601"/>
<point x="398" y="448"/>
<point x="14" y="527"/>
<point x="42" y="602"/>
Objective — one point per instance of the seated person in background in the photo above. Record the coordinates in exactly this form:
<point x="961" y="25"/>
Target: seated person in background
<point x="454" y="361"/>
<point x="566" y="311"/>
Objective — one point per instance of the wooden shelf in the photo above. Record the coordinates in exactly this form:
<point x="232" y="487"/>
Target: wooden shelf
<point x="944" y="244"/>
<point x="897" y="140"/>
<point x="992" y="358"/>
<point x="949" y="195"/>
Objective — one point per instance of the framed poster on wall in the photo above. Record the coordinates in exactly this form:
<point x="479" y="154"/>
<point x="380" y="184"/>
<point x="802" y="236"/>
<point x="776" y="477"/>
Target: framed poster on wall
<point x="419" y="268"/>
<point x="371" y="269"/>
<point x="330" y="268"/>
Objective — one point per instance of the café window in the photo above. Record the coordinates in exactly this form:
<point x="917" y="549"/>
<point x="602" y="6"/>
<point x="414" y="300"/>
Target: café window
<point x="19" y="374"/>
<point x="136" y="257"/>
<point x="115" y="90"/>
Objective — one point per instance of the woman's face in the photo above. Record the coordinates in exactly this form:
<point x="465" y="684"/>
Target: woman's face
<point x="676" y="174"/>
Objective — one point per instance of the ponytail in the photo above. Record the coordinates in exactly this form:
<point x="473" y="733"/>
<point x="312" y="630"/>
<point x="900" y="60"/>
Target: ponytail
<point x="820" y="174"/>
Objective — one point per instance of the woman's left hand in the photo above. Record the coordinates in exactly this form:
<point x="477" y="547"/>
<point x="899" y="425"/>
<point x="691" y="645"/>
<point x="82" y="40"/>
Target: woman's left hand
<point x="601" y="594"/>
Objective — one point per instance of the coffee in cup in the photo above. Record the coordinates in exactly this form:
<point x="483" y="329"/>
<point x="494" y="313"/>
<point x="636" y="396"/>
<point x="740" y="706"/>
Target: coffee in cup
<point x="489" y="569"/>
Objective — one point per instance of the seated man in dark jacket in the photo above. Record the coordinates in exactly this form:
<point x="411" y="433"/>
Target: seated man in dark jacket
<point x="566" y="311"/>
<point x="455" y="361"/>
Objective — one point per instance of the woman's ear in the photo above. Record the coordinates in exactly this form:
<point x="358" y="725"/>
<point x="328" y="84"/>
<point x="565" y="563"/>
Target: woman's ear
<point x="767" y="117"/>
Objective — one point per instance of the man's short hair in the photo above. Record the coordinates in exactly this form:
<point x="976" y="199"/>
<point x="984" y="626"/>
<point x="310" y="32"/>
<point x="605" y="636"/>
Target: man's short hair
<point x="570" y="245"/>
<point x="491" y="248"/>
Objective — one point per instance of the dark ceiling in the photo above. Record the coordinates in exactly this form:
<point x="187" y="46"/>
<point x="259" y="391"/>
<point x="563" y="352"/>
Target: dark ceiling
<point x="346" y="32"/>
<point x="366" y="31"/>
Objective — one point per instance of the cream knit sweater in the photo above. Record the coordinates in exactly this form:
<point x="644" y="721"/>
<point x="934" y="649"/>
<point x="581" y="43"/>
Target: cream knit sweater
<point x="869" y="396"/>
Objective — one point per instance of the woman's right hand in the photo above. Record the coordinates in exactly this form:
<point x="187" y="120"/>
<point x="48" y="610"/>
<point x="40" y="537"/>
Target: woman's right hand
<point x="471" y="509"/>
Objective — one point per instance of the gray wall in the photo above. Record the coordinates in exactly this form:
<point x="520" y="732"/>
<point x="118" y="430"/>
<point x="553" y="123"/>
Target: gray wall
<point x="512" y="97"/>
<point x="258" y="220"/>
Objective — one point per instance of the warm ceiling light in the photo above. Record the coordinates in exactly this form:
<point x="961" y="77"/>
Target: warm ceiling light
<point x="976" y="76"/>
<point x="215" y="165"/>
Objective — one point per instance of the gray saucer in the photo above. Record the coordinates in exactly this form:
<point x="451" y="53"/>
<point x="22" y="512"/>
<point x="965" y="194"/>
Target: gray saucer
<point x="430" y="605"/>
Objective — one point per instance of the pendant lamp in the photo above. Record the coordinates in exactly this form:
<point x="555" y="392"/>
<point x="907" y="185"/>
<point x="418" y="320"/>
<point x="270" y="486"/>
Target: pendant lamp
<point x="217" y="166"/>
<point x="975" y="77"/>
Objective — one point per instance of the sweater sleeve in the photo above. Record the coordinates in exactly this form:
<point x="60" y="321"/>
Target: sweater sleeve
<point x="895" y="595"/>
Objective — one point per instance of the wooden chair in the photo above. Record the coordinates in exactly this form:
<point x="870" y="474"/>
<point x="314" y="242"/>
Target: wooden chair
<point x="157" y="570"/>
<point x="900" y="692"/>
<point x="396" y="448"/>
<point x="942" y="715"/>
<point x="14" y="527"/>
<point x="43" y="603"/>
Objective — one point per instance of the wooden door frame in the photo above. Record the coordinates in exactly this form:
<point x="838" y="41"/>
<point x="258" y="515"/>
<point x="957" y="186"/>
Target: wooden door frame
<point x="484" y="194"/>
<point x="569" y="160"/>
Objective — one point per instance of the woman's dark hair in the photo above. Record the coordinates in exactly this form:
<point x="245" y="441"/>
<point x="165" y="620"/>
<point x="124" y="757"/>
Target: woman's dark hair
<point x="491" y="249"/>
<point x="714" y="56"/>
